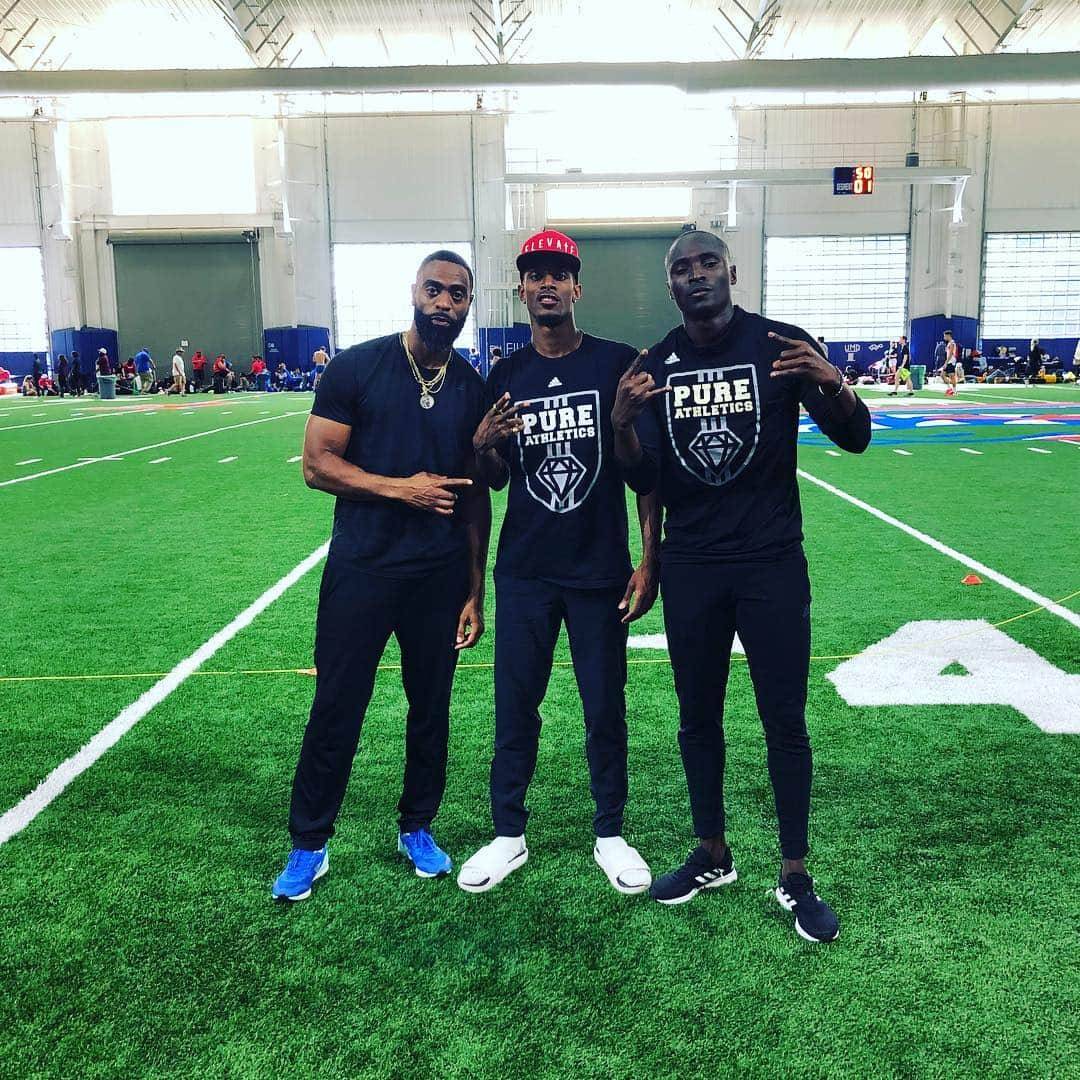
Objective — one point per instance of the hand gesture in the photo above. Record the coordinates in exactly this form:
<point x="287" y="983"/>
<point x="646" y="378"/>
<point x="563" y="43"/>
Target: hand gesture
<point x="640" y="593"/>
<point x="431" y="492"/>
<point x="803" y="359"/>
<point x="470" y="624"/>
<point x="636" y="389"/>
<point x="500" y="422"/>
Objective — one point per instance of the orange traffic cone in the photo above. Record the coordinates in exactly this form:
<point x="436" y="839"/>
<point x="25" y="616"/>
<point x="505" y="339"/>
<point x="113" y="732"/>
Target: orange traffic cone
<point x="971" y="579"/>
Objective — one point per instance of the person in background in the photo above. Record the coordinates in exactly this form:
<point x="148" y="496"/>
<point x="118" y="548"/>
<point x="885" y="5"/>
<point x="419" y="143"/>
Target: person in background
<point x="179" y="374"/>
<point x="320" y="358"/>
<point x="219" y="373"/>
<point x="259" y="374"/>
<point x="35" y="368"/>
<point x="1036" y="356"/>
<point x="474" y="359"/>
<point x="144" y="371"/>
<point x="62" y="374"/>
<point x="902" y="372"/>
<point x="130" y="371"/>
<point x="496" y="356"/>
<point x="294" y="380"/>
<point x="198" y="369"/>
<point x="46" y="388"/>
<point x="78" y="387"/>
<point x="280" y="376"/>
<point x="29" y="389"/>
<point x="103" y="365"/>
<point x="948" y="350"/>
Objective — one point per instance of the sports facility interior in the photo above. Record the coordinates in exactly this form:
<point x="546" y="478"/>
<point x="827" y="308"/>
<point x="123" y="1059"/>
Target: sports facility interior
<point x="259" y="180"/>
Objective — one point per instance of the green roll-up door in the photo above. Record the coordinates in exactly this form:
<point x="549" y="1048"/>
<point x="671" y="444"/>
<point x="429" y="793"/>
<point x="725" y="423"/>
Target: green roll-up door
<point x="624" y="290"/>
<point x="205" y="293"/>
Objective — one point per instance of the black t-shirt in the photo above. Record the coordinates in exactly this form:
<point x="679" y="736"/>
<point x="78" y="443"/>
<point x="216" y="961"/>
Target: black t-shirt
<point x="566" y="511"/>
<point x="726" y="437"/>
<point x="371" y="388"/>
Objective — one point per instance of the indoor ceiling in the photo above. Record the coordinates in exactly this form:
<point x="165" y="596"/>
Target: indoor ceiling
<point x="153" y="34"/>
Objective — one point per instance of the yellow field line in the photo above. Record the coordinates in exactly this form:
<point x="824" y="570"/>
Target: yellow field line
<point x="483" y="666"/>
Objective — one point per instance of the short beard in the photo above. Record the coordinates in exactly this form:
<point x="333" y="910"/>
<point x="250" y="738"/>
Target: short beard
<point x="436" y="338"/>
<point x="551" y="319"/>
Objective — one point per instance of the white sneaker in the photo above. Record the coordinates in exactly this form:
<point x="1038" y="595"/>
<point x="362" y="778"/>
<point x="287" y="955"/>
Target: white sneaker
<point x="627" y="871"/>
<point x="492" y="863"/>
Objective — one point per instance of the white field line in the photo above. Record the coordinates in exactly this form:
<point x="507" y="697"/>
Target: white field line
<point x="35" y="460"/>
<point x="295" y="459"/>
<point x="159" y="460"/>
<point x="1070" y="617"/>
<point x="226" y="460"/>
<point x="1038" y="450"/>
<point x="965" y="450"/>
<point x="152" y="446"/>
<point x="902" y="453"/>
<point x="834" y="453"/>
<point x="71" y="420"/>
<point x="23" y="812"/>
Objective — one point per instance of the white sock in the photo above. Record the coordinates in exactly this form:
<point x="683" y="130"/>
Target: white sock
<point x="607" y="845"/>
<point x="509" y="845"/>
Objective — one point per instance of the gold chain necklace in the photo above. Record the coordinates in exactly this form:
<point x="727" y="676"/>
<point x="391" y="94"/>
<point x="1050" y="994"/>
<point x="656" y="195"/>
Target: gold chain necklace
<point x="428" y="387"/>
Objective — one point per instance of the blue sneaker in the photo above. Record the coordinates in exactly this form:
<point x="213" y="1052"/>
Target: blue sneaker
<point x="302" y="869"/>
<point x="420" y="848"/>
<point x="814" y="919"/>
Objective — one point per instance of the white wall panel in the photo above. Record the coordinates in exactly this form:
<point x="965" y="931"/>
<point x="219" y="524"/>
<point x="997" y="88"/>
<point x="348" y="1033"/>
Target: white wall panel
<point x="401" y="178"/>
<point x="1034" y="168"/>
<point x="18" y="213"/>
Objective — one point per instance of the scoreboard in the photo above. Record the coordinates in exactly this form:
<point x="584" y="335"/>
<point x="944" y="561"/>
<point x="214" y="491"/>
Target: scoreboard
<point x="853" y="180"/>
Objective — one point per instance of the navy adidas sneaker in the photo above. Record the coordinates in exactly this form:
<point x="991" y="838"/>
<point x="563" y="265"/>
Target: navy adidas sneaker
<point x="814" y="919"/>
<point x="301" y="871"/>
<point x="421" y="850"/>
<point x="700" y="871"/>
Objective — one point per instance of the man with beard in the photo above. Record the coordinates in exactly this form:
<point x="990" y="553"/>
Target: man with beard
<point x="561" y="420"/>
<point x="732" y="556"/>
<point x="390" y="434"/>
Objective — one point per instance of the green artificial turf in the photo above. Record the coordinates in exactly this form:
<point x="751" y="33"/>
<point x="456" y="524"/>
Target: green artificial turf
<point x="137" y="937"/>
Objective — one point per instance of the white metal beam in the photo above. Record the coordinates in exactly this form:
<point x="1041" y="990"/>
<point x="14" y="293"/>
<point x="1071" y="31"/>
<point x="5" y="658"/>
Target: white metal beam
<point x="920" y="174"/>
<point x="735" y="76"/>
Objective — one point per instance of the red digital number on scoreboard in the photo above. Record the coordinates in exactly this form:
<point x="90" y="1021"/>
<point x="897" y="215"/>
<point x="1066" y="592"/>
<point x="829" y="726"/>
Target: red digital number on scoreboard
<point x="863" y="181"/>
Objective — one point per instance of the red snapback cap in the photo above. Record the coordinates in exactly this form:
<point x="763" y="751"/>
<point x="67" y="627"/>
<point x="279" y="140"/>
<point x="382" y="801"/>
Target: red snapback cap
<point x="547" y="244"/>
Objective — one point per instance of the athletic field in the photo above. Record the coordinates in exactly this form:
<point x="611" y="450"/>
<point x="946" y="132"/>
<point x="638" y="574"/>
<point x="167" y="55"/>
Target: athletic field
<point x="137" y="934"/>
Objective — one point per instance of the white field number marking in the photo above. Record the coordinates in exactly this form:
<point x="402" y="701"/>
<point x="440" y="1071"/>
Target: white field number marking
<point x="659" y="641"/>
<point x="905" y="669"/>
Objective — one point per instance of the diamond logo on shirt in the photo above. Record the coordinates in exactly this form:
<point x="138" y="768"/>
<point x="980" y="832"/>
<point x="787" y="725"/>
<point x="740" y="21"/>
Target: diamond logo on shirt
<point x="713" y="420"/>
<point x="560" y="474"/>
<point x="554" y="382"/>
<point x="560" y="448"/>
<point x="716" y="449"/>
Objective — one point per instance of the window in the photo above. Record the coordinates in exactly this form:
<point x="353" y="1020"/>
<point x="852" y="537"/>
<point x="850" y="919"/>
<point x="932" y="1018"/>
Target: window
<point x="844" y="288"/>
<point x="1031" y="285"/>
<point x="371" y="289"/>
<point x="23" y="323"/>
<point x="191" y="165"/>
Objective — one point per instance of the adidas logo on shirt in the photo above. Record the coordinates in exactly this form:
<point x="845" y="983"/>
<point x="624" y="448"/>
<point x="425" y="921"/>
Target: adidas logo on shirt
<point x="554" y="382"/>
